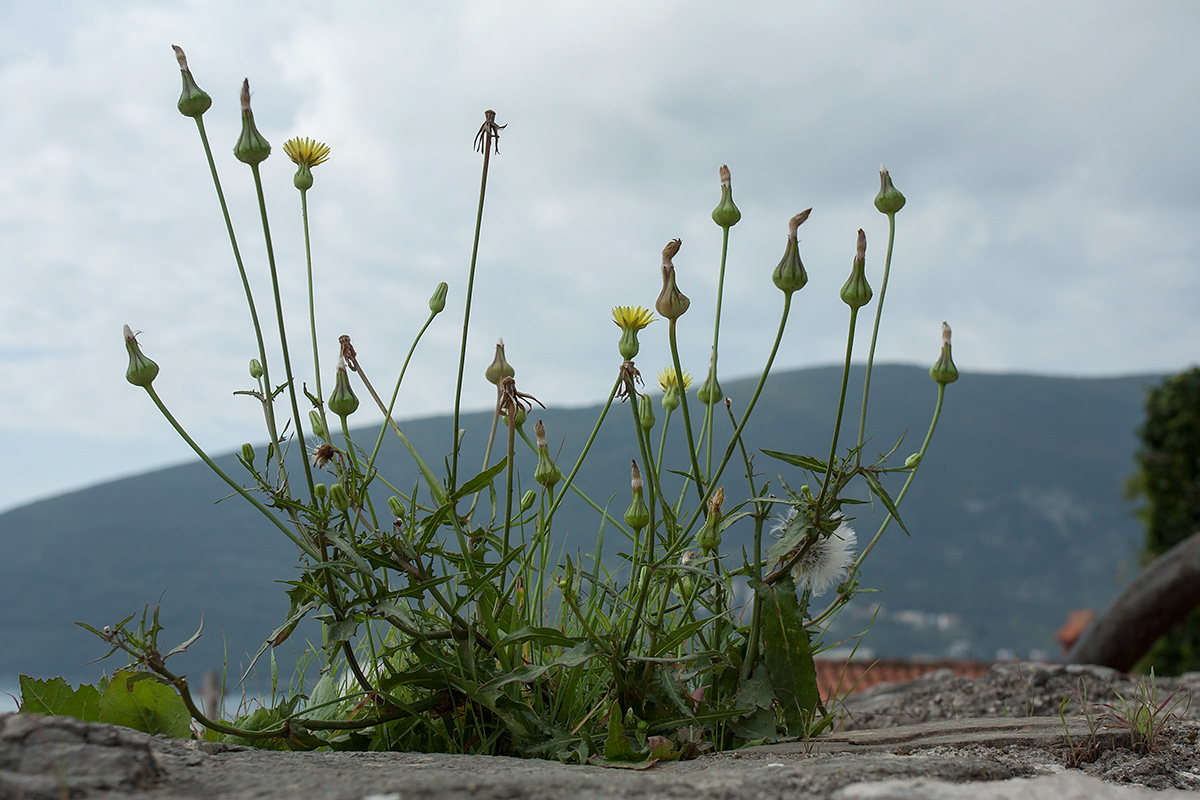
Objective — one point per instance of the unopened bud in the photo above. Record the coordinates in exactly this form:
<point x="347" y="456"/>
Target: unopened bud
<point x="320" y="491"/>
<point x="438" y="301"/>
<point x="252" y="147"/>
<point x="645" y="412"/>
<point x="141" y="370"/>
<point x="889" y="200"/>
<point x="396" y="506"/>
<point x="637" y="516"/>
<point x="547" y="473"/>
<point x="912" y="460"/>
<point x="193" y="101"/>
<point x="256" y="369"/>
<point x="726" y="214"/>
<point x="342" y="402"/>
<point x="338" y="497"/>
<point x="944" y="371"/>
<point x="856" y="292"/>
<point x="528" y="499"/>
<point x="790" y="276"/>
<point x="499" y="368"/>
<point x="248" y="453"/>
<point x="671" y="302"/>
<point x="317" y="424"/>
<point x="710" y="392"/>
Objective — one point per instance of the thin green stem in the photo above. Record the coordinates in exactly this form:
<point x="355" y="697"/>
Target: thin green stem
<point x="837" y="425"/>
<point x="687" y="419"/>
<point x="586" y="447"/>
<point x="312" y="304"/>
<point x="268" y="401"/>
<point x="287" y="359"/>
<point x="887" y="269"/>
<point x="708" y="407"/>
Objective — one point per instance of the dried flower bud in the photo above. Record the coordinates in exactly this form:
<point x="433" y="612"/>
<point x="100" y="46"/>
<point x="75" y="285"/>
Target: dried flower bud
<point x="944" y="371"/>
<point x="141" y="370"/>
<point x="637" y="516"/>
<point x="790" y="276"/>
<point x="252" y="147"/>
<point x="671" y="302"/>
<point x="726" y="214"/>
<point x="856" y="292"/>
<point x="889" y="200"/>
<point x="499" y="368"/>
<point x="193" y="101"/>
<point x="547" y="473"/>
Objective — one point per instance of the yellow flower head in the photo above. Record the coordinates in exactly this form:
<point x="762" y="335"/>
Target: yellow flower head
<point x="306" y="151"/>
<point x="632" y="317"/>
<point x="668" y="380"/>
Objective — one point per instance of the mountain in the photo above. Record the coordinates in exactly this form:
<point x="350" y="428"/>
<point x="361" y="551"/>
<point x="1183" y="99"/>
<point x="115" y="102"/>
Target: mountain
<point x="1016" y="518"/>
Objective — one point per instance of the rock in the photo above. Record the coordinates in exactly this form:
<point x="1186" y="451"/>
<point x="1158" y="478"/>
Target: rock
<point x="1065" y="786"/>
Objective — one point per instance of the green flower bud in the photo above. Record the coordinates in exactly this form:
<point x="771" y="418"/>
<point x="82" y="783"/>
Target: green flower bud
<point x="944" y="371"/>
<point x="856" y="292"/>
<point x="684" y="584"/>
<point x="709" y="537"/>
<point x="438" y="301"/>
<point x="248" y="453"/>
<point x="889" y="200"/>
<point x="499" y="368"/>
<point x="630" y="319"/>
<point x="668" y="381"/>
<point x="710" y="392"/>
<point x="790" y="276"/>
<point x="193" y="101"/>
<point x="396" y="506"/>
<point x="645" y="412"/>
<point x="912" y="460"/>
<point x="528" y="499"/>
<point x="317" y="424"/>
<point x="141" y="370"/>
<point x="637" y="516"/>
<point x="256" y="369"/>
<point x="320" y="491"/>
<point x="338" y="497"/>
<point x="726" y="214"/>
<point x="671" y="302"/>
<point x="342" y="402"/>
<point x="251" y="147"/>
<point x="547" y="473"/>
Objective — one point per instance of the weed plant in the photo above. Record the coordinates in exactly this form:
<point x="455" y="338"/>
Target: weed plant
<point x="451" y="623"/>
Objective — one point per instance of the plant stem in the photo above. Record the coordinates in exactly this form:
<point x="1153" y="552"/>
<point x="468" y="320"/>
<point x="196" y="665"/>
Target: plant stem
<point x="312" y="306"/>
<point x="837" y="425"/>
<point x="687" y="420"/>
<point x="887" y="269"/>
<point x="708" y="407"/>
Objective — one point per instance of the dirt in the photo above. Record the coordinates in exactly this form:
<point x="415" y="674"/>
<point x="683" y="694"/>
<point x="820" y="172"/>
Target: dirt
<point x="937" y="737"/>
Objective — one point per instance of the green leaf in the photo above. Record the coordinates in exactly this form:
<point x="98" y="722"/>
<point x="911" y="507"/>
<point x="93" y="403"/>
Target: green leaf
<point x="479" y="481"/>
<point x="878" y="490"/>
<point x="138" y="701"/>
<point x="787" y="654"/>
<point x="55" y="697"/>
<point x="804" y="462"/>
<point x="792" y="538"/>
<point x="528" y="673"/>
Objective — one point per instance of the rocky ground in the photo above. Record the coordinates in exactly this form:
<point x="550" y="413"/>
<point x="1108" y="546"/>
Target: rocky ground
<point x="941" y="736"/>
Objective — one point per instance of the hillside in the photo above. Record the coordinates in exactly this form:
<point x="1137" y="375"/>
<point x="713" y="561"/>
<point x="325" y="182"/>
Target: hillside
<point x="1016" y="515"/>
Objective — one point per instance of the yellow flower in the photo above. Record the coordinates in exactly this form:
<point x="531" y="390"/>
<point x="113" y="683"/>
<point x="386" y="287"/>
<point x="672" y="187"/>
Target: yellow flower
<point x="306" y="154"/>
<point x="667" y="379"/>
<point x="306" y="151"/>
<point x="631" y="319"/>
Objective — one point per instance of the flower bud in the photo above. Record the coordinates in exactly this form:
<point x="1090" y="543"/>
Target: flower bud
<point x="252" y="147"/>
<point x="342" y="402"/>
<point x="726" y="214"/>
<point x="438" y="301"/>
<point x="305" y="154"/>
<point x="320" y="491"/>
<point x="248" y="453"/>
<point x="547" y="473"/>
<point x="630" y="319"/>
<point x="141" y="370"/>
<point x="256" y="369"/>
<point x="668" y="381"/>
<point x="709" y="537"/>
<point x="396" y="506"/>
<point x="944" y="371"/>
<point x="790" y="276"/>
<point x="338" y="497"/>
<point x="856" y="292"/>
<point x="193" y="101"/>
<point x="637" y="516"/>
<point x="528" y="499"/>
<point x="684" y="584"/>
<point x="889" y="200"/>
<point x="671" y="302"/>
<point x="317" y="424"/>
<point x="499" y="368"/>
<point x="645" y="412"/>
<point x="912" y="460"/>
<point x="710" y="392"/>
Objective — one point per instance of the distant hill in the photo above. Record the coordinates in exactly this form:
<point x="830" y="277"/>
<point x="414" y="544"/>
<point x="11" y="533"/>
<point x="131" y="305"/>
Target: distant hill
<point x="1016" y="515"/>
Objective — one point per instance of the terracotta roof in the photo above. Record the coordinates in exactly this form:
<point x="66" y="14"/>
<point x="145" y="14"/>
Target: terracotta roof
<point x="1077" y="622"/>
<point x="847" y="677"/>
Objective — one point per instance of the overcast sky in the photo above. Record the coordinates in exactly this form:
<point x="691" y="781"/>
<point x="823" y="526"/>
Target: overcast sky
<point x="1047" y="150"/>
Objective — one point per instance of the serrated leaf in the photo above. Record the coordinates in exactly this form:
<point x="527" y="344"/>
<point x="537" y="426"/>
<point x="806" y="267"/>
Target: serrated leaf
<point x="55" y="697"/>
<point x="792" y="538"/>
<point x="146" y="705"/>
<point x="787" y="655"/>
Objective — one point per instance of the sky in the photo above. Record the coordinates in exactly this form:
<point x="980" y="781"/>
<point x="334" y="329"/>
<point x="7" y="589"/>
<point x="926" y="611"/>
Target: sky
<point x="1047" y="151"/>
